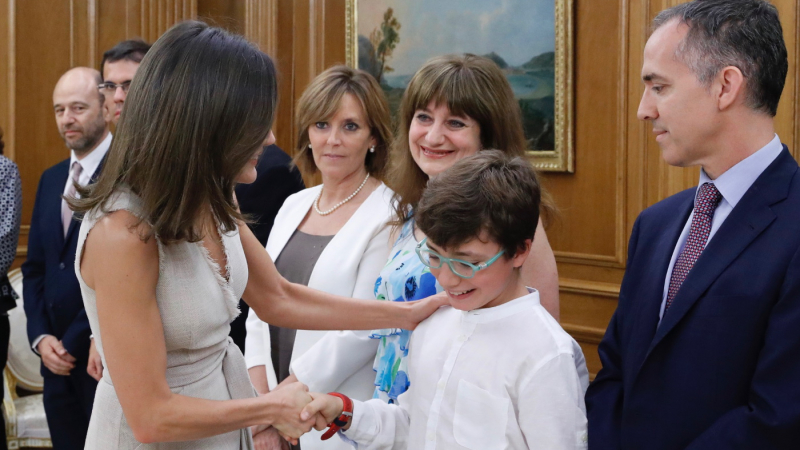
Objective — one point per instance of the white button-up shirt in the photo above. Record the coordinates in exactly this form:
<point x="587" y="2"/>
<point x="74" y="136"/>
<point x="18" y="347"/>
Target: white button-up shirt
<point x="507" y="377"/>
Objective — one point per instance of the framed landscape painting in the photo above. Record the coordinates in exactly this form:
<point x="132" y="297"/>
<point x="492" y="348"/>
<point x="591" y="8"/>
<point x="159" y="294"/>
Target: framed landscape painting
<point x="530" y="40"/>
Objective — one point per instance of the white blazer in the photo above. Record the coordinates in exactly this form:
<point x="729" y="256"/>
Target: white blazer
<point x="349" y="266"/>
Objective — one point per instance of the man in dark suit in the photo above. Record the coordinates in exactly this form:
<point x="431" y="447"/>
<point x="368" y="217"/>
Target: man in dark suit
<point x="58" y="328"/>
<point x="261" y="201"/>
<point x="702" y="352"/>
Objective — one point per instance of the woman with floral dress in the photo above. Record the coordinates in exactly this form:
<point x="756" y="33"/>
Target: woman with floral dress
<point x="453" y="107"/>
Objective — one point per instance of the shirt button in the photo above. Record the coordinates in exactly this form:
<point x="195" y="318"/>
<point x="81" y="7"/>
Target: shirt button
<point x="62" y="266"/>
<point x="585" y="437"/>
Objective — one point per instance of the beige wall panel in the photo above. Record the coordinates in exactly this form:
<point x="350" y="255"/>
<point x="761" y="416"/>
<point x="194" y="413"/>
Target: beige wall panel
<point x="589" y="199"/>
<point x="786" y="119"/>
<point x="43" y="54"/>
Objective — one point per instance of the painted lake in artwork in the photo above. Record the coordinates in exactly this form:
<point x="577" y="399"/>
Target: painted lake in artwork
<point x="395" y="37"/>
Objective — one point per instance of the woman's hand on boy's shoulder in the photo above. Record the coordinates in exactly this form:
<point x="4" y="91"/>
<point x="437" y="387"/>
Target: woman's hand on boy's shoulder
<point x="422" y="309"/>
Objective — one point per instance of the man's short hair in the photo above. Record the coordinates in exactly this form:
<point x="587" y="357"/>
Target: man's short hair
<point x="131" y="50"/>
<point x="746" y="34"/>
<point x="489" y="192"/>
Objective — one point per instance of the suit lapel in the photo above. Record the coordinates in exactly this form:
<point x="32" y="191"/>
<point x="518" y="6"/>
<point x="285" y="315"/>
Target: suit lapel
<point x="751" y="216"/>
<point x="74" y="224"/>
<point x="648" y="308"/>
<point x="57" y="227"/>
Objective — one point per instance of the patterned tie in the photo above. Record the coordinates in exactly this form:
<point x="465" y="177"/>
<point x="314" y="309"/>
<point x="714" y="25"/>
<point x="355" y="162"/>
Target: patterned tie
<point x="707" y="201"/>
<point x="66" y="213"/>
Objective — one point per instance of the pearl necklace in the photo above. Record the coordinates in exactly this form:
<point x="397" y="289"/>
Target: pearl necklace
<point x="325" y="213"/>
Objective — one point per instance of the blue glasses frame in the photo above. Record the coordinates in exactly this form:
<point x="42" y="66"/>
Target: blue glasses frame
<point x="464" y="265"/>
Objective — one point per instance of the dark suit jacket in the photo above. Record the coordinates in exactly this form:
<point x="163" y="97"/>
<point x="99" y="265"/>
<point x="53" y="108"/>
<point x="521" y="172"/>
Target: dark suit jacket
<point x="51" y="293"/>
<point x="264" y="197"/>
<point x="722" y="370"/>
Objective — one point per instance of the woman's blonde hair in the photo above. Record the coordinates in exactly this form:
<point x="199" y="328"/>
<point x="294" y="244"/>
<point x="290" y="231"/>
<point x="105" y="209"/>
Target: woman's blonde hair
<point x="468" y="85"/>
<point x="321" y="100"/>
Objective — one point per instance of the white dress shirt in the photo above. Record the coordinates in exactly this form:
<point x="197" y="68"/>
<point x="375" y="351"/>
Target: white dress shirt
<point x="507" y="377"/>
<point x="89" y="165"/>
<point x="732" y="184"/>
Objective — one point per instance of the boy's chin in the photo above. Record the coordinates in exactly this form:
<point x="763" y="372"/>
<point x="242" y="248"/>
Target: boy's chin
<point x="467" y="301"/>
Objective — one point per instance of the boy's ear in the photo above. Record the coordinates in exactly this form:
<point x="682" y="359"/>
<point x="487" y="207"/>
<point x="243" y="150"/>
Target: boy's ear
<point x="521" y="255"/>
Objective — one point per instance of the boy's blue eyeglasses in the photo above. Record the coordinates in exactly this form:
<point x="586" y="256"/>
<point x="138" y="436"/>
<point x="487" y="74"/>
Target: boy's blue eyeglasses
<point x="459" y="267"/>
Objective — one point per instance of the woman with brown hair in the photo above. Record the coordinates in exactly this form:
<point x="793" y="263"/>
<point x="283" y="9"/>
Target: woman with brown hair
<point x="453" y="107"/>
<point x="164" y="256"/>
<point x="333" y="237"/>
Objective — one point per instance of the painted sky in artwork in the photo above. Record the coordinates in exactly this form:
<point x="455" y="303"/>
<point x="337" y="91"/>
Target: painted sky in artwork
<point x="517" y="30"/>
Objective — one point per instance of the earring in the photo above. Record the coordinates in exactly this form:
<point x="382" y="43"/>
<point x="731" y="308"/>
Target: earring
<point x="372" y="149"/>
<point x="309" y="146"/>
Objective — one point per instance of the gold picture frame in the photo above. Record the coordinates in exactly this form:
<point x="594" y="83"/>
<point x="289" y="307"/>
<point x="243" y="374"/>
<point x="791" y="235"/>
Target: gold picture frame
<point x="559" y="159"/>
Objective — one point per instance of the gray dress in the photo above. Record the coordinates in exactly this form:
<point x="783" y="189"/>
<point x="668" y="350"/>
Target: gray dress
<point x="197" y="305"/>
<point x="295" y="263"/>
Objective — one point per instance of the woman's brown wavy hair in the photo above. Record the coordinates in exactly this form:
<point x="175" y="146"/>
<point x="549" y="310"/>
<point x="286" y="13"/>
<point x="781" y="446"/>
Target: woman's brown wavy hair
<point x="201" y="104"/>
<point x="468" y="85"/>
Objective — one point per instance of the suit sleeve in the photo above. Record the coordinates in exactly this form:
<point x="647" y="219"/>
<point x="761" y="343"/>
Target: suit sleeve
<point x="340" y="354"/>
<point x="771" y="419"/>
<point x="33" y="275"/>
<point x="76" y="339"/>
<point x="605" y="394"/>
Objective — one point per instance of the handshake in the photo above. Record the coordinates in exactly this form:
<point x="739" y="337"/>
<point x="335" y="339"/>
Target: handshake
<point x="294" y="412"/>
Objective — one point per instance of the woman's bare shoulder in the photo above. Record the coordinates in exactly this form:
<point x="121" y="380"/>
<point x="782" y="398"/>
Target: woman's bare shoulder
<point x="120" y="230"/>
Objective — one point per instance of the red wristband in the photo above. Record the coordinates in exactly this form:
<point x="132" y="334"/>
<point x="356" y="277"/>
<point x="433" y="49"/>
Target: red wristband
<point x="339" y="422"/>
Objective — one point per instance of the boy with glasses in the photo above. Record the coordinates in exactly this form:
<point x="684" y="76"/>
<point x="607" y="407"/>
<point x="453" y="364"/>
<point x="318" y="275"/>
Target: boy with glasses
<point x="494" y="370"/>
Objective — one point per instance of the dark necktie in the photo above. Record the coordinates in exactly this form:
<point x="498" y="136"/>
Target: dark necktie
<point x="707" y="200"/>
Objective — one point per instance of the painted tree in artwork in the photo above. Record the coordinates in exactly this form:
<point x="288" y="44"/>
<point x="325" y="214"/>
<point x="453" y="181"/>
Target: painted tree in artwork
<point x="384" y="39"/>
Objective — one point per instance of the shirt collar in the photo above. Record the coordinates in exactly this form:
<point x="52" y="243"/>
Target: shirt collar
<point x="90" y="162"/>
<point x="737" y="180"/>
<point x="507" y="309"/>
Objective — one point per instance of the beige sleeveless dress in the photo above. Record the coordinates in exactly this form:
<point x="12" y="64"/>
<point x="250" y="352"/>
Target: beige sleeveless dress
<point x="197" y="305"/>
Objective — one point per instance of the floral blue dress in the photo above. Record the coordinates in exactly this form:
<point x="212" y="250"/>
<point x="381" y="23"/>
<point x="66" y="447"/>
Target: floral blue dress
<point x="403" y="278"/>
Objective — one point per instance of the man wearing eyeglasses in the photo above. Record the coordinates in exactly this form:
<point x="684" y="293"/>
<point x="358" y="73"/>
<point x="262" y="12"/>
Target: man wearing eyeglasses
<point x="118" y="67"/>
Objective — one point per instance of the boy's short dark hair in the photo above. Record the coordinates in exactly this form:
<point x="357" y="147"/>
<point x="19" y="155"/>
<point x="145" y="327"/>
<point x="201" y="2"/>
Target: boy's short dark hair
<point x="490" y="191"/>
<point x="131" y="50"/>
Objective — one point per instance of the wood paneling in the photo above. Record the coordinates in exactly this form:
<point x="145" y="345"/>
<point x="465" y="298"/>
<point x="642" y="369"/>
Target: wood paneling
<point x="42" y="40"/>
<point x="228" y="14"/>
<point x="618" y="165"/>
